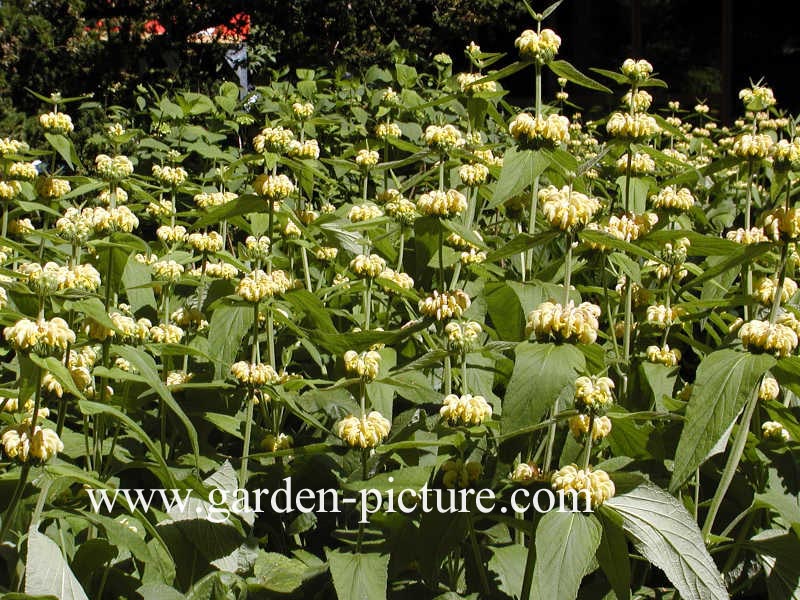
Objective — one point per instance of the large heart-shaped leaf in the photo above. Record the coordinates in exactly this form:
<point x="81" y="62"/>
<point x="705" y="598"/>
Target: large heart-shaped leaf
<point x="664" y="532"/>
<point x="47" y="572"/>
<point x="541" y="372"/>
<point x="565" y="546"/>
<point x="360" y="575"/>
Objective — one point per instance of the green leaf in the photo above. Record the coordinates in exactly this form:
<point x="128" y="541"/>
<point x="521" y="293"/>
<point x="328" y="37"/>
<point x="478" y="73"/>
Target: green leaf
<point x="146" y="367"/>
<point x="359" y="576"/>
<point x="508" y="562"/>
<point x="160" y="591"/>
<point x="541" y="372"/>
<point x="505" y="310"/>
<point x="745" y="254"/>
<point x="243" y="205"/>
<point x="564" y="69"/>
<point x="64" y="147"/>
<point x="406" y="478"/>
<point x="520" y="243"/>
<point x="136" y="279"/>
<point x="439" y="534"/>
<point x="88" y="407"/>
<point x="339" y="343"/>
<point x="91" y="557"/>
<point x="406" y="75"/>
<point x="599" y="237"/>
<point x="661" y="380"/>
<point x="700" y="245"/>
<point x="725" y="381"/>
<point x="60" y="372"/>
<point x="565" y="546"/>
<point x="550" y="9"/>
<point x="638" y="189"/>
<point x="92" y="308"/>
<point x="777" y="552"/>
<point x="465" y="232"/>
<point x="497" y="75"/>
<point x="613" y="75"/>
<point x="120" y="536"/>
<point x="47" y="572"/>
<point x="520" y="168"/>
<point x="664" y="532"/>
<point x="612" y="554"/>
<point x="278" y="573"/>
<point x="314" y="309"/>
<point x="228" y="326"/>
<point x="218" y="585"/>
<point x="776" y="497"/>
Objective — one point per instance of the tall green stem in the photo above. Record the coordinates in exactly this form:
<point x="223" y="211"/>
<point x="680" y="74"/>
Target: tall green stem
<point x="441" y="258"/>
<point x="532" y="218"/>
<point x="628" y="168"/>
<point x="306" y="272"/>
<point x="11" y="511"/>
<point x="776" y="302"/>
<point x="733" y="462"/>
<point x="476" y="552"/>
<point x="587" y="456"/>
<point x="367" y="301"/>
<point x="568" y="270"/>
<point x="4" y="232"/>
<point x="464" y="380"/>
<point x="448" y="376"/>
<point x="250" y="399"/>
<point x="748" y="276"/>
<point x="401" y="249"/>
<point x="626" y="341"/>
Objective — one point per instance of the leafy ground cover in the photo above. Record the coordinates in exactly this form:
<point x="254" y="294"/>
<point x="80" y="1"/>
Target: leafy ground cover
<point x="395" y="283"/>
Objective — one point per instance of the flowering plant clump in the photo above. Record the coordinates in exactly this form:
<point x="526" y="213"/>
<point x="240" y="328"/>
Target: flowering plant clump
<point x="394" y="291"/>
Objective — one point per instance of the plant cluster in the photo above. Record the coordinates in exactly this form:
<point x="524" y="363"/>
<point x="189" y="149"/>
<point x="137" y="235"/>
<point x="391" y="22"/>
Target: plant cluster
<point x="404" y="282"/>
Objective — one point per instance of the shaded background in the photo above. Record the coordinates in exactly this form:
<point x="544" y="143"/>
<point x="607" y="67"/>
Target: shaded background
<point x="704" y="49"/>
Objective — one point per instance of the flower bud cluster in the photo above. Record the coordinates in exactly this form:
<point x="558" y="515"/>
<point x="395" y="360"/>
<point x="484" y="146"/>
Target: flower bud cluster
<point x="366" y="432"/>
<point x="567" y="209"/>
<point x="57" y="122"/>
<point x="368" y="267"/>
<point x="568" y="323"/>
<point x="443" y="138"/>
<point x="257" y="285"/>
<point x="445" y="305"/>
<point x="273" y="139"/>
<point x="638" y="126"/>
<point x="25" y="443"/>
<point x="766" y="288"/>
<point x="113" y="168"/>
<point x="663" y="355"/>
<point x="365" y="365"/>
<point x="273" y="187"/>
<point x="672" y="198"/>
<point x="254" y="374"/>
<point x="596" y="484"/>
<point x="42" y="336"/>
<point x="772" y="338"/>
<point x="538" y="47"/>
<point x="539" y="132"/>
<point x="465" y="410"/>
<point x="579" y="426"/>
<point x="442" y="204"/>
